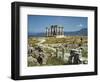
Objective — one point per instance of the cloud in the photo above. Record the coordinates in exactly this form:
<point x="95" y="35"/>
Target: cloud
<point x="80" y="25"/>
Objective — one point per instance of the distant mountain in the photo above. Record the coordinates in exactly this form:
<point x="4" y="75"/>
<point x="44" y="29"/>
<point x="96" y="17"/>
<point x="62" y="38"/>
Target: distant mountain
<point x="82" y="32"/>
<point x="41" y="34"/>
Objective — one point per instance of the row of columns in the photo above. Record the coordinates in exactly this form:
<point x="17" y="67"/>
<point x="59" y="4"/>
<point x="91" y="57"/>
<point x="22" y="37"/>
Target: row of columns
<point x="54" y="30"/>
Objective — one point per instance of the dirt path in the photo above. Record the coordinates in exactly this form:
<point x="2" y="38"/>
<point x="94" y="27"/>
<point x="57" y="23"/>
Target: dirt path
<point x="44" y="46"/>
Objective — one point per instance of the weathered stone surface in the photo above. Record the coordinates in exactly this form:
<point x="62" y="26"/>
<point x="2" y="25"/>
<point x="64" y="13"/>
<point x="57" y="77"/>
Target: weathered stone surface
<point x="33" y="60"/>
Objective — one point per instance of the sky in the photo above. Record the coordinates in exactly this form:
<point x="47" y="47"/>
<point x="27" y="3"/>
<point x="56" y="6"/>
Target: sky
<point x="38" y="23"/>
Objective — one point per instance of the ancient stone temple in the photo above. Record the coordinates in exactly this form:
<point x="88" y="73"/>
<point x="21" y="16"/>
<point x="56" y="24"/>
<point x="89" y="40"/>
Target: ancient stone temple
<point x="54" y="30"/>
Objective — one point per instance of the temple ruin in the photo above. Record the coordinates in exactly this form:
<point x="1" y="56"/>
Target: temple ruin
<point x="55" y="30"/>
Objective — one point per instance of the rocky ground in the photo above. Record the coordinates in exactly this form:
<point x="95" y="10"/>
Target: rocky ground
<point x="49" y="54"/>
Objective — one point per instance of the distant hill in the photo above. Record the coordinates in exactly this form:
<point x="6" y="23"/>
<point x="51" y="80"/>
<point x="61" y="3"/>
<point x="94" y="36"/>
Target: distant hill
<point x="41" y="34"/>
<point x="82" y="32"/>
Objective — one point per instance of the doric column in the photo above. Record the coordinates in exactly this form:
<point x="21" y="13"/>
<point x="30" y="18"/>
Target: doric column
<point x="63" y="30"/>
<point x="56" y="29"/>
<point x="51" y="30"/>
<point x="59" y="31"/>
<point x="46" y="31"/>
